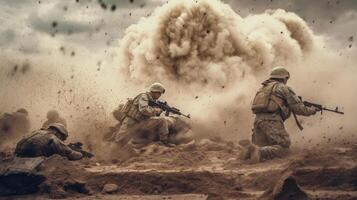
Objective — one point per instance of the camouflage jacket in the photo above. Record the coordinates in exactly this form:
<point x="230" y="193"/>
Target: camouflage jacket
<point x="287" y="102"/>
<point x="140" y="109"/>
<point x="44" y="143"/>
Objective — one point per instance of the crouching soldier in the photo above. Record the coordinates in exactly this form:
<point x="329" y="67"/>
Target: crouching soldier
<point x="272" y="105"/>
<point x="46" y="142"/>
<point x="142" y="123"/>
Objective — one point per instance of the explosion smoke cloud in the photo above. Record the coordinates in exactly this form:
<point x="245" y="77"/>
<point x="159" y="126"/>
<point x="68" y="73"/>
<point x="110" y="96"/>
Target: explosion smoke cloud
<point x="207" y="43"/>
<point x="210" y="59"/>
<point x="203" y="48"/>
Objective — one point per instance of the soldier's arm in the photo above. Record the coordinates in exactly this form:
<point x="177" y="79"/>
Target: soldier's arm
<point x="144" y="107"/>
<point x="294" y="102"/>
<point x="63" y="121"/>
<point x="62" y="149"/>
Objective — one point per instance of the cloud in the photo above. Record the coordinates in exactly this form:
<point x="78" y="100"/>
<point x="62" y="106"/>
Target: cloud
<point x="52" y="25"/>
<point x="321" y="15"/>
<point x="6" y="37"/>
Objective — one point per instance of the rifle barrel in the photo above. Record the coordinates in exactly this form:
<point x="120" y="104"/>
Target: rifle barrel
<point x="335" y="111"/>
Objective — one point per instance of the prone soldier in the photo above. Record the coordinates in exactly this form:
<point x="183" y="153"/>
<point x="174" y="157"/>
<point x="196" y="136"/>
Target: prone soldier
<point x="46" y="142"/>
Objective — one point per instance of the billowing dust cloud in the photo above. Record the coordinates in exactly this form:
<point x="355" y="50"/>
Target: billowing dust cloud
<point x="212" y="62"/>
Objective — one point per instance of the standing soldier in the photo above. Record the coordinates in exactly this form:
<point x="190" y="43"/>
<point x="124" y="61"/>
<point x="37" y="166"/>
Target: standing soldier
<point x="272" y="105"/>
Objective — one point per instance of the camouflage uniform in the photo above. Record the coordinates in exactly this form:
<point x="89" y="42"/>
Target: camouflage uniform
<point x="143" y="121"/>
<point x="175" y="129"/>
<point x="141" y="124"/>
<point x="44" y="143"/>
<point x="269" y="132"/>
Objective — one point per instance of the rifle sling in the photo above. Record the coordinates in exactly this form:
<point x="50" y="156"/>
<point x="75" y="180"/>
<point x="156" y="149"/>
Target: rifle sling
<point x="297" y="121"/>
<point x="281" y="108"/>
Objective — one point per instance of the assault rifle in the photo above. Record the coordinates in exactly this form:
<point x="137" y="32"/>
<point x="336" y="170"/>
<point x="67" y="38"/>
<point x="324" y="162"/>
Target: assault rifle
<point x="321" y="107"/>
<point x="163" y="106"/>
<point x="77" y="146"/>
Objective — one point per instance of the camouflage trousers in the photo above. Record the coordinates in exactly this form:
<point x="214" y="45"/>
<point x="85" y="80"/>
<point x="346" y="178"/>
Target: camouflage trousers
<point x="166" y="129"/>
<point x="271" y="137"/>
<point x="147" y="131"/>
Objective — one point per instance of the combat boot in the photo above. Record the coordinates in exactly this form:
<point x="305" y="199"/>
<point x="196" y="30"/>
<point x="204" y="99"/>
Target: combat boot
<point x="250" y="153"/>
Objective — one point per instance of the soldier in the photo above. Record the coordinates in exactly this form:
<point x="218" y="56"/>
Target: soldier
<point x="141" y="123"/>
<point x="46" y="142"/>
<point x="53" y="117"/>
<point x="14" y="124"/>
<point x="272" y="105"/>
<point x="137" y="113"/>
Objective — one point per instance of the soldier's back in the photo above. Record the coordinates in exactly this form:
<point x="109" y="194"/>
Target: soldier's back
<point x="38" y="144"/>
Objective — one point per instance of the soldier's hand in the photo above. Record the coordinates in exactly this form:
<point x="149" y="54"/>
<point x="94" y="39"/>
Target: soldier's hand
<point x="315" y="110"/>
<point x="157" y="111"/>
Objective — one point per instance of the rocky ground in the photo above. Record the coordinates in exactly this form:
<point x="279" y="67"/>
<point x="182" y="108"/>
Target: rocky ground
<point x="207" y="169"/>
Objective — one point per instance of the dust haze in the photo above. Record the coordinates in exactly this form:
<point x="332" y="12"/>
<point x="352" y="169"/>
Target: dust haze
<point x="212" y="61"/>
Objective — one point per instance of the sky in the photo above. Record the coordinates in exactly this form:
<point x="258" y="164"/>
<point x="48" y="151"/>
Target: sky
<point x="33" y="27"/>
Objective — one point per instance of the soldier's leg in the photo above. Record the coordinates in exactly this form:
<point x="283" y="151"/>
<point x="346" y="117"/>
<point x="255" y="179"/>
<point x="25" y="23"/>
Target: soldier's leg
<point x="162" y="127"/>
<point x="259" y="137"/>
<point x="117" y="134"/>
<point x="153" y="129"/>
<point x="276" y="142"/>
<point x="125" y="132"/>
<point x="251" y="152"/>
<point x="179" y="131"/>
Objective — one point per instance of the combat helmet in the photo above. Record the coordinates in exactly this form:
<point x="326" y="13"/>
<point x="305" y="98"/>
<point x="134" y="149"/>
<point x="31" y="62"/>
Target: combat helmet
<point x="60" y="128"/>
<point x="52" y="114"/>
<point x="280" y="73"/>
<point x="157" y="87"/>
<point x="23" y="111"/>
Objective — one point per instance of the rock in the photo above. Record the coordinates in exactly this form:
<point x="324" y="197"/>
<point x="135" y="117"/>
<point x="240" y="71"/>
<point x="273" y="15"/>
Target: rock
<point x="77" y="186"/>
<point x="110" y="188"/>
<point x="285" y="188"/>
<point x="20" y="176"/>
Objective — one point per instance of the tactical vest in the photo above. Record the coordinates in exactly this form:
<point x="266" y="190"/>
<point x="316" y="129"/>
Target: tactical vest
<point x="265" y="101"/>
<point x="131" y="109"/>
